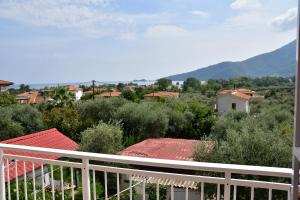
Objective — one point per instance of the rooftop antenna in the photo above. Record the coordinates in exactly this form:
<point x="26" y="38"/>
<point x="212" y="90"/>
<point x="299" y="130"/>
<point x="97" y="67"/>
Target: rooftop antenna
<point x="296" y="149"/>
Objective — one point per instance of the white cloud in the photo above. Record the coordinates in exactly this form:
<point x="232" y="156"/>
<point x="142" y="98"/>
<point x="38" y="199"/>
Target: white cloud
<point x="199" y="13"/>
<point x="88" y="16"/>
<point x="246" y="4"/>
<point x="93" y="18"/>
<point x="249" y="14"/>
<point x="285" y="21"/>
<point x="165" y="31"/>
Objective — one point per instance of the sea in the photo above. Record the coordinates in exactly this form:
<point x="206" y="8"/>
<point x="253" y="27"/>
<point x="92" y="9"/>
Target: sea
<point x="49" y="85"/>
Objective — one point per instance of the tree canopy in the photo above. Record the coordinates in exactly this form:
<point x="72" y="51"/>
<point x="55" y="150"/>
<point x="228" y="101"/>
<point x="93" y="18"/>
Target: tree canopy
<point x="102" y="138"/>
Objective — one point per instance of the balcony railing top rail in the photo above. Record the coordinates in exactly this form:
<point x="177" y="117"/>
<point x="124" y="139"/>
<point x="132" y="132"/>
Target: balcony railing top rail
<point x="162" y="171"/>
<point x="161" y="163"/>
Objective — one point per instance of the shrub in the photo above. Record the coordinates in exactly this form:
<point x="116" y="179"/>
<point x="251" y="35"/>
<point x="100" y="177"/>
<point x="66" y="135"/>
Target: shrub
<point x="65" y="119"/>
<point x="101" y="109"/>
<point x="103" y="138"/>
<point x="7" y="99"/>
<point x="146" y="119"/>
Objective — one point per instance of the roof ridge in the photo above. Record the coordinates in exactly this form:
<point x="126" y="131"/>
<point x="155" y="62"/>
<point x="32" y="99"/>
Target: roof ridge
<point x="182" y="139"/>
<point x="29" y="136"/>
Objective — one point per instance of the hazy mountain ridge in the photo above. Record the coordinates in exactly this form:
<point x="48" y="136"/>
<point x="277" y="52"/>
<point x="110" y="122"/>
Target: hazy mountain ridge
<point x="280" y="62"/>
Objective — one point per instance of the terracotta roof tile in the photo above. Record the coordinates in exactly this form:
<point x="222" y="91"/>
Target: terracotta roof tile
<point x="162" y="148"/>
<point x="31" y="97"/>
<point x="5" y="83"/>
<point x="73" y="88"/>
<point x="51" y="138"/>
<point x="110" y="94"/>
<point x="240" y="93"/>
<point x="162" y="94"/>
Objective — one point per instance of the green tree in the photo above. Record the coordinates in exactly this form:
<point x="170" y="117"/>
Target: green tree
<point x="191" y="84"/>
<point x="120" y="86"/>
<point x="144" y="120"/>
<point x="61" y="97"/>
<point x="258" y="147"/>
<point x="7" y="99"/>
<point x="230" y="120"/>
<point x="29" y="117"/>
<point x="24" y="88"/>
<point x="8" y="127"/>
<point x="65" y="119"/>
<point x="17" y="120"/>
<point x="164" y="83"/>
<point x="129" y="95"/>
<point x="203" y="121"/>
<point x="101" y="109"/>
<point x="261" y="139"/>
<point x="103" y="138"/>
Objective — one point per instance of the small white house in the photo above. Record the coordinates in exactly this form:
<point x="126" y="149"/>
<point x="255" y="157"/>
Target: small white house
<point x="234" y="100"/>
<point x="76" y="90"/>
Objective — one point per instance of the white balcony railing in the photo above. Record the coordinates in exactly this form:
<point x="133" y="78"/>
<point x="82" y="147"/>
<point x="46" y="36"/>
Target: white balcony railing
<point x="125" y="177"/>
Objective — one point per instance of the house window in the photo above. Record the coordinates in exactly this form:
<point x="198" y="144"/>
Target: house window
<point x="233" y="106"/>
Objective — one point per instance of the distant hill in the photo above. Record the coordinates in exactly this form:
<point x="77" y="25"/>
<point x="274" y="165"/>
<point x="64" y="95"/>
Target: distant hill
<point x="280" y="62"/>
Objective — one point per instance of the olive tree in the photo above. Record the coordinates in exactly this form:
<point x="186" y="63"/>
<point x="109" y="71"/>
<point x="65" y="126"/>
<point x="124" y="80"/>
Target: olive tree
<point x="102" y="138"/>
<point x="143" y="120"/>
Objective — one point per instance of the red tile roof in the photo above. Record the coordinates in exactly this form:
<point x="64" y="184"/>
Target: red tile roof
<point x="5" y="83"/>
<point x="162" y="148"/>
<point x="245" y="90"/>
<point x="110" y="94"/>
<point x="51" y="138"/>
<point x="240" y="93"/>
<point x="31" y="98"/>
<point x="73" y="88"/>
<point x="162" y="94"/>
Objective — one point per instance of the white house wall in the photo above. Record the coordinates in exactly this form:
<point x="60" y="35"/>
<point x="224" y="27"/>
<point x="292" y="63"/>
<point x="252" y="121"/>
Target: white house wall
<point x="224" y="104"/>
<point x="78" y="94"/>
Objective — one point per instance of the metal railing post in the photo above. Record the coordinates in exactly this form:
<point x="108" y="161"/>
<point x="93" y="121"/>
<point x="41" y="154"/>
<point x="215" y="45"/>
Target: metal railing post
<point x="2" y="176"/>
<point x="227" y="185"/>
<point x="85" y="180"/>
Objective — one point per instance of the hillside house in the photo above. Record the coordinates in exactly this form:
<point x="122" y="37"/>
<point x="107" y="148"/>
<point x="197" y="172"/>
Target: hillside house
<point x="76" y="90"/>
<point x="158" y="95"/>
<point x="109" y="94"/>
<point x="169" y="149"/>
<point x="234" y="100"/>
<point x="33" y="97"/>
<point x="51" y="138"/>
<point x="4" y="84"/>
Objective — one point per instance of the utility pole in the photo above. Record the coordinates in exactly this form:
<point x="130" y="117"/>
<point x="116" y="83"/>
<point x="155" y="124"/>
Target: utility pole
<point x="93" y="81"/>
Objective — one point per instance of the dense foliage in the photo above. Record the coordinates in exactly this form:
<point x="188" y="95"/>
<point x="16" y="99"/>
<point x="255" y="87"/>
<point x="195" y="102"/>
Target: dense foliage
<point x="103" y="138"/>
<point x="191" y="116"/>
<point x="263" y="137"/>
<point x="106" y="125"/>
<point x="65" y="119"/>
<point x="7" y="99"/>
<point x="164" y="83"/>
<point x="17" y="120"/>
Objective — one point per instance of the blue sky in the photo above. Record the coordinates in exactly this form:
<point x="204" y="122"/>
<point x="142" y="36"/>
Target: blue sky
<point x="53" y="41"/>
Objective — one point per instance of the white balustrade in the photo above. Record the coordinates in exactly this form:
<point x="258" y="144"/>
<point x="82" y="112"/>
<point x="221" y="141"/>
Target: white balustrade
<point x="83" y="171"/>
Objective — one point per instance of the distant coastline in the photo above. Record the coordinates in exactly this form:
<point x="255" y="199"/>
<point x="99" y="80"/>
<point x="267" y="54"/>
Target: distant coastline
<point x="43" y="85"/>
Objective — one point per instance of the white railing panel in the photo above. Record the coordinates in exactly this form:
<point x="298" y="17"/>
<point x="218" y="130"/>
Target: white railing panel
<point x="222" y="180"/>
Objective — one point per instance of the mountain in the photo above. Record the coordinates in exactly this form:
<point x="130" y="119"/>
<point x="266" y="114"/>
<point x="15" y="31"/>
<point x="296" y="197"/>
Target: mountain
<point x="280" y="62"/>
